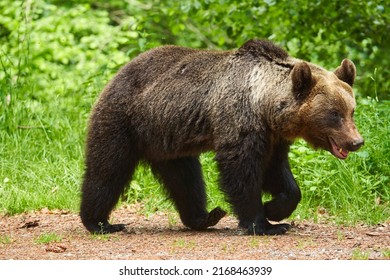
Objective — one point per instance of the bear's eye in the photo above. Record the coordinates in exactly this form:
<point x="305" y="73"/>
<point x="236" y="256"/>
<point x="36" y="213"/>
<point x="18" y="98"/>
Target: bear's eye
<point x="335" y="115"/>
<point x="334" y="118"/>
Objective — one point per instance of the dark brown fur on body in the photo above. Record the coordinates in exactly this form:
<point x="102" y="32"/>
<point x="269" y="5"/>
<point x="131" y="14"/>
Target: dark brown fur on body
<point x="170" y="104"/>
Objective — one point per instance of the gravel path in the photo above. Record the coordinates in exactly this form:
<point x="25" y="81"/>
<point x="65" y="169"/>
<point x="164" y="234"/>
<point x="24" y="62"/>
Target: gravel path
<point x="59" y="235"/>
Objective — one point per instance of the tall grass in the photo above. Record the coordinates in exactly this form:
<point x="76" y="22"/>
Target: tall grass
<point x="41" y="141"/>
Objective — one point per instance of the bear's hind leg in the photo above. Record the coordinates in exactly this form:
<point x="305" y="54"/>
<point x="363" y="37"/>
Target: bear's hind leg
<point x="110" y="163"/>
<point x="183" y="180"/>
<point x="100" y="193"/>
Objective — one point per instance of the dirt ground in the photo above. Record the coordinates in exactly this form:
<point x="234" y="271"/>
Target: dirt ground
<point x="162" y="237"/>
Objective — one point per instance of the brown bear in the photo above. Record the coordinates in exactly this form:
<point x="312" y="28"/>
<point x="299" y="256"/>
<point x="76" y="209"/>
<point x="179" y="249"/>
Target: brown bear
<point x="170" y="104"/>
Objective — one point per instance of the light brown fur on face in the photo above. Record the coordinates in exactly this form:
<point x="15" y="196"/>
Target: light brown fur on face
<point x="327" y="114"/>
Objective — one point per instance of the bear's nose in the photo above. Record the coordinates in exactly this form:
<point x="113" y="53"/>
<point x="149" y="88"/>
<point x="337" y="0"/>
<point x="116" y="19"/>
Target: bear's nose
<point x="357" y="143"/>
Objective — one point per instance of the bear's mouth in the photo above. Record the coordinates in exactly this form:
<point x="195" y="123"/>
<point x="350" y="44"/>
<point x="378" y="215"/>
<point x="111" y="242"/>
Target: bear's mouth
<point x="337" y="151"/>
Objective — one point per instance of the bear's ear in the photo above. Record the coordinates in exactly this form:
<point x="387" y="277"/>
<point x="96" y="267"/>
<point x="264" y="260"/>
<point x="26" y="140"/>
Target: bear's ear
<point x="346" y="72"/>
<point x="302" y="80"/>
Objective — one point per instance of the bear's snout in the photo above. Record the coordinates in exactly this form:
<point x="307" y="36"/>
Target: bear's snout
<point x="342" y="150"/>
<point x="356" y="144"/>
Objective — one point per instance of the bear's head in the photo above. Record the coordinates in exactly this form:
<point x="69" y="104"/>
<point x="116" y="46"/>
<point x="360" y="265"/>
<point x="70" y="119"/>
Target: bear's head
<point x="327" y="105"/>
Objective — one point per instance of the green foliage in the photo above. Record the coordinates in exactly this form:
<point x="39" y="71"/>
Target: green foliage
<point x="56" y="56"/>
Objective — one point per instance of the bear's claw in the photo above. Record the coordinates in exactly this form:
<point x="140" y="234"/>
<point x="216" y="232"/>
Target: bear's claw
<point x="214" y="217"/>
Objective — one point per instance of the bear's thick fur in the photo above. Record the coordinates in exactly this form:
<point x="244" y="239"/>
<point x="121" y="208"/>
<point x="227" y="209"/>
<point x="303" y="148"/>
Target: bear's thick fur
<point x="170" y="104"/>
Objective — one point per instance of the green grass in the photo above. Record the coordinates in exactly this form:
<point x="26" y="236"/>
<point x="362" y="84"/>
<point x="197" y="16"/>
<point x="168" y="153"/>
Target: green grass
<point x="47" y="238"/>
<point x="386" y="253"/>
<point x="184" y="244"/>
<point x="359" y="254"/>
<point x="38" y="170"/>
<point x="104" y="237"/>
<point x="5" y="239"/>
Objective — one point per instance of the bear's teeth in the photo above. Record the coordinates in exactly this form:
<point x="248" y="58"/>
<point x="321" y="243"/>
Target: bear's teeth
<point x="340" y="150"/>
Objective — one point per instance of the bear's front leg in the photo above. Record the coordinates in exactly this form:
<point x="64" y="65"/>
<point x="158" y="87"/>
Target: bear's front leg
<point x="280" y="182"/>
<point x="241" y="176"/>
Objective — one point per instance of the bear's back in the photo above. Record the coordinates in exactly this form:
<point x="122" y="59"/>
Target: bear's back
<point x="165" y="63"/>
